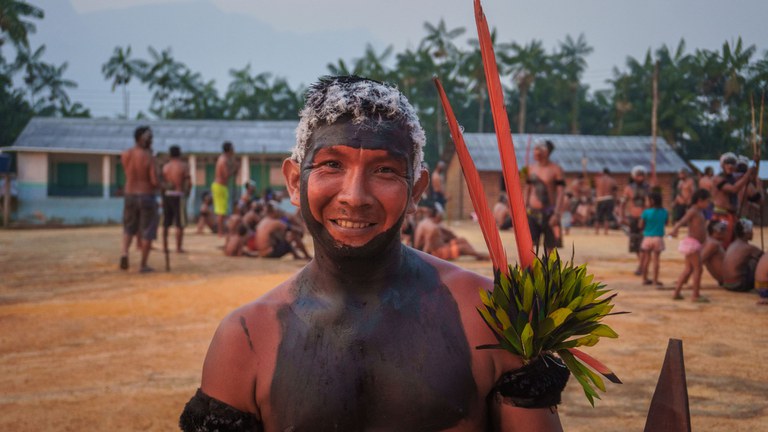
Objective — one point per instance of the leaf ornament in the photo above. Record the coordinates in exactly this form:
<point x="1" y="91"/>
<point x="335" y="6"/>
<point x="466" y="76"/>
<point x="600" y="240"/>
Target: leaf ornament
<point x="542" y="305"/>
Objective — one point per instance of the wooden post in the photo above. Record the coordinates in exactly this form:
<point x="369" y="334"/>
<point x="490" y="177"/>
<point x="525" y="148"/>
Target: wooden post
<point x="654" y="111"/>
<point x="669" y="411"/>
<point x="7" y="201"/>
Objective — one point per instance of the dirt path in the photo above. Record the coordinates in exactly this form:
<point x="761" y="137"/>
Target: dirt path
<point x="84" y="346"/>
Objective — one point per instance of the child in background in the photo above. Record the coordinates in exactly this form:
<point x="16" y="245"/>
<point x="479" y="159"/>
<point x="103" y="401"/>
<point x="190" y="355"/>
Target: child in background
<point x="652" y="222"/>
<point x="691" y="245"/>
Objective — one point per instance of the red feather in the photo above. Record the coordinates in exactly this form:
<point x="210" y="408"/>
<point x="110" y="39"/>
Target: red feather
<point x="475" y="186"/>
<point x="504" y="138"/>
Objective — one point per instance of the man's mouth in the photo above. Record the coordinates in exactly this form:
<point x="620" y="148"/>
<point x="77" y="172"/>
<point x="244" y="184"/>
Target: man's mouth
<point x="343" y="223"/>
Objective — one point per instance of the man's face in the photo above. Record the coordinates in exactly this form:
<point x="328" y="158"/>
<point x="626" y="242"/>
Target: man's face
<point x="729" y="166"/>
<point x="540" y="153"/>
<point x="146" y="139"/>
<point x="639" y="177"/>
<point x="356" y="184"/>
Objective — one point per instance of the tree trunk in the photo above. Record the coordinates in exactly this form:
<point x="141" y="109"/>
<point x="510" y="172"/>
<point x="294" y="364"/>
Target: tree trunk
<point x="523" y="107"/>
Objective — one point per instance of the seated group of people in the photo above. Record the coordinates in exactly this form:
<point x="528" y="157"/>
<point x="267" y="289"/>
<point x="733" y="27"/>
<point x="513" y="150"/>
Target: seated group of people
<point x="425" y="231"/>
<point x="257" y="227"/>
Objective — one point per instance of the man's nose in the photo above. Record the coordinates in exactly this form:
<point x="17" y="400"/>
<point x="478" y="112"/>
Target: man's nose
<point x="354" y="189"/>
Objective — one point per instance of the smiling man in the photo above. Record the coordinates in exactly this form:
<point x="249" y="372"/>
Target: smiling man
<point x="370" y="334"/>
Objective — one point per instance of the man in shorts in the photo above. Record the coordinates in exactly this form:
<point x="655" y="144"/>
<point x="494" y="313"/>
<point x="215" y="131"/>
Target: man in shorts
<point x="605" y="193"/>
<point x="545" y="197"/>
<point x="140" y="212"/>
<point x="370" y="334"/>
<point x="176" y="186"/>
<point x="633" y="202"/>
<point x="226" y="168"/>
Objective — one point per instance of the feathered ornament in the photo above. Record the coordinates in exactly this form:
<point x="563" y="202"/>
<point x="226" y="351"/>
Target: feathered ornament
<point x="542" y="305"/>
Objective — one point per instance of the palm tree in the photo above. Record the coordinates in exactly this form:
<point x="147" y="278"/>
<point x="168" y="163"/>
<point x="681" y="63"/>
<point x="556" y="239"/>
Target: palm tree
<point x="121" y="68"/>
<point x="471" y="68"/>
<point x="525" y="62"/>
<point x="13" y="23"/>
<point x="162" y="74"/>
<point x="31" y="63"/>
<point x="572" y="60"/>
<point x="439" y="43"/>
<point x="371" y="64"/>
<point x="246" y="93"/>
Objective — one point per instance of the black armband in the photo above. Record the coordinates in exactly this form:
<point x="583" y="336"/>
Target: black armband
<point x="535" y="385"/>
<point x="560" y="182"/>
<point x="755" y="197"/>
<point x="203" y="413"/>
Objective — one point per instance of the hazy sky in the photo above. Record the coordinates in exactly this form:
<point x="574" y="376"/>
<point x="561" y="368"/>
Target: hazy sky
<point x="297" y="38"/>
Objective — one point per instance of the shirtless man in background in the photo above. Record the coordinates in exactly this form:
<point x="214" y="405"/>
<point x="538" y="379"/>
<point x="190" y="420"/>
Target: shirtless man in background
<point x="726" y="196"/>
<point x="438" y="185"/>
<point x="176" y="186"/>
<point x="433" y="238"/>
<point x="683" y="192"/>
<point x="741" y="259"/>
<point x="605" y="195"/>
<point x="544" y="197"/>
<point x="226" y="168"/>
<point x="633" y="202"/>
<point x="712" y="253"/>
<point x="271" y="231"/>
<point x="140" y="206"/>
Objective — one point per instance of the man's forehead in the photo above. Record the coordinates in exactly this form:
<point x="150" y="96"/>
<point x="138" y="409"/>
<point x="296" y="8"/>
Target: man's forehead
<point x="386" y="136"/>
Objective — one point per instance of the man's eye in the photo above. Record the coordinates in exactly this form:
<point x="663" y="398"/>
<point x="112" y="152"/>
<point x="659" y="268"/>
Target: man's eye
<point x="330" y="164"/>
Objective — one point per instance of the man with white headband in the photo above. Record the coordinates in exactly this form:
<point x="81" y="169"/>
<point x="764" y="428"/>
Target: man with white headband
<point x="727" y="187"/>
<point x="544" y="197"/>
<point x="370" y="334"/>
<point x="633" y="202"/>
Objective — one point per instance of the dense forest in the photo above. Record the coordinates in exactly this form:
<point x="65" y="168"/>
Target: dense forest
<point x="705" y="96"/>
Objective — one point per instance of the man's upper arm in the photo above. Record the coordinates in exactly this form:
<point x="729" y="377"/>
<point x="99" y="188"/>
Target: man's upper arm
<point x="228" y="366"/>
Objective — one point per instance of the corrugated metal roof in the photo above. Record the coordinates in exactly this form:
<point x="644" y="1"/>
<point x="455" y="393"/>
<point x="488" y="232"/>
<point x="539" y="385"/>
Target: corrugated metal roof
<point x="105" y="136"/>
<point x="618" y="153"/>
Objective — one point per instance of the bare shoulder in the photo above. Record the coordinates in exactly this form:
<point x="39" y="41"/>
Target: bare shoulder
<point x="240" y="350"/>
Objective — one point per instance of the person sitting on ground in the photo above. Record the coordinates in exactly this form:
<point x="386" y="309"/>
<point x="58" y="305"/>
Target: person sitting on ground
<point x="501" y="213"/>
<point x="712" y="253"/>
<point x="692" y="244"/>
<point x="761" y="279"/>
<point x="741" y="259"/>
<point x="251" y="220"/>
<point x="433" y="238"/>
<point x="652" y="221"/>
<point x="270" y="234"/>
<point x="237" y="240"/>
<point x="205" y="218"/>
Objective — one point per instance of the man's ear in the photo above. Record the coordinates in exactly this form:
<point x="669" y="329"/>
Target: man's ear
<point x="292" y="174"/>
<point x="418" y="189"/>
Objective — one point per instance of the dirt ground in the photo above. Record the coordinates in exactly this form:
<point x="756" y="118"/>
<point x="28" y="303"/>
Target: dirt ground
<point x="84" y="346"/>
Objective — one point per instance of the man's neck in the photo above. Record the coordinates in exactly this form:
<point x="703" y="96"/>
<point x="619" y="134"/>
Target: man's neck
<point x="356" y="275"/>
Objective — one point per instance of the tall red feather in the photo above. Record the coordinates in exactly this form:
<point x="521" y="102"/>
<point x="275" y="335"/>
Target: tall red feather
<point x="475" y="186"/>
<point x="504" y="139"/>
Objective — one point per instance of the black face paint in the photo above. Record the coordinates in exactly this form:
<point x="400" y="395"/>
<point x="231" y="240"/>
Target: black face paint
<point x="391" y="137"/>
<point x="396" y="359"/>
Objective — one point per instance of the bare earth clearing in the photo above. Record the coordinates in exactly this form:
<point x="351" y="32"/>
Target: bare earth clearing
<point x="84" y="346"/>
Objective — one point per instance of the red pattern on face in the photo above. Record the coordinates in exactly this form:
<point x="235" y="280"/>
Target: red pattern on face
<point x="357" y="194"/>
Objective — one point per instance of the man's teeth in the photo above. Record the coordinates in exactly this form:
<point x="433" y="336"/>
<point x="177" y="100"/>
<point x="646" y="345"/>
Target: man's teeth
<point x="349" y="224"/>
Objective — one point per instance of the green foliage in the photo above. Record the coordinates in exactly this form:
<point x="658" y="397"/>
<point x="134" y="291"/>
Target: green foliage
<point x="552" y="307"/>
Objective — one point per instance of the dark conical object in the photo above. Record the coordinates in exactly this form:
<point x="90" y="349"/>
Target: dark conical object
<point x="669" y="407"/>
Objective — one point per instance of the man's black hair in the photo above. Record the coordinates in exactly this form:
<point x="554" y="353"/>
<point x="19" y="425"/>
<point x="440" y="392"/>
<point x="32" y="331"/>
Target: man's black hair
<point x="175" y="151"/>
<point x="699" y="195"/>
<point x="139" y="132"/>
<point x="606" y="170"/>
<point x="226" y="147"/>
<point x="655" y="198"/>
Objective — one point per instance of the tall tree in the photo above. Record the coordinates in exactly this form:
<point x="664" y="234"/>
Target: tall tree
<point x="572" y="60"/>
<point x="121" y="68"/>
<point x="162" y="75"/>
<point x="526" y="63"/>
<point x="14" y="21"/>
